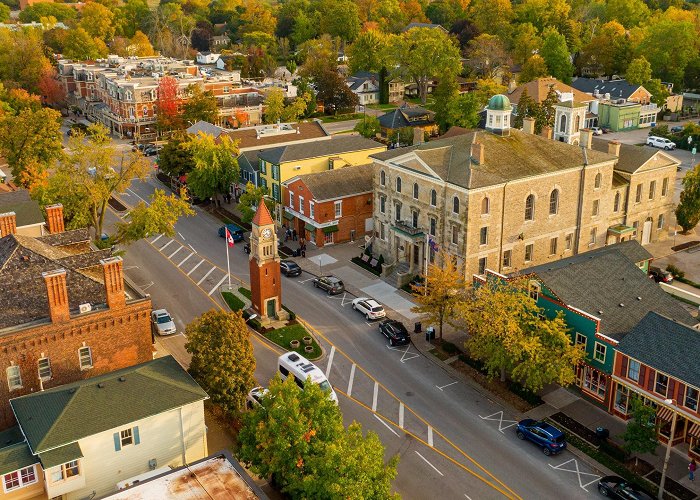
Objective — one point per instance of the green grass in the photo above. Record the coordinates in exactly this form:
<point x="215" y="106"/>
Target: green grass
<point x="340" y="118"/>
<point x="383" y="107"/>
<point x="234" y="303"/>
<point x="283" y="336"/>
<point x="245" y="292"/>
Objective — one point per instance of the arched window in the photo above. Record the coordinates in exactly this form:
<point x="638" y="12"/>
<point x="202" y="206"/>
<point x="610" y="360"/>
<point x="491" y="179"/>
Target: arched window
<point x="485" y="206"/>
<point x="433" y="198"/>
<point x="598" y="178"/>
<point x="554" y="202"/>
<point x="576" y="126"/>
<point x="398" y="184"/>
<point x="616" y="206"/>
<point x="530" y="207"/>
<point x="562" y="124"/>
<point x="455" y="205"/>
<point x="415" y="190"/>
<point x="382" y="178"/>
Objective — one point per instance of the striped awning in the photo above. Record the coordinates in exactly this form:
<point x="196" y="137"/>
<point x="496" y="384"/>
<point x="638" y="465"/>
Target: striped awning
<point x="665" y="414"/>
<point x="694" y="430"/>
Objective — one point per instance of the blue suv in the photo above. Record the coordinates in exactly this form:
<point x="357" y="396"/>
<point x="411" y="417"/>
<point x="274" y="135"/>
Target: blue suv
<point x="548" y="437"/>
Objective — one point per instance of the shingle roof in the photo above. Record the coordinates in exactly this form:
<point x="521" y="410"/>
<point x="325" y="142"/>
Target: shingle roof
<point x="336" y="145"/>
<point x="424" y="25"/>
<point x="249" y="138"/>
<point x="332" y="184"/>
<point x="634" y="157"/>
<point x="262" y="216"/>
<point x="665" y="345"/>
<point x="26" y="210"/>
<point x="205" y="127"/>
<point x="538" y="89"/>
<point x="400" y="117"/>
<point x="14" y="452"/>
<point x="57" y="417"/>
<point x="616" y="88"/>
<point x="598" y="281"/>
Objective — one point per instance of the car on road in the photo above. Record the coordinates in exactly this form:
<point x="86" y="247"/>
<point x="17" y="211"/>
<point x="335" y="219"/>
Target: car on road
<point x="290" y="268"/>
<point x="616" y="487"/>
<point x="254" y="397"/>
<point x="597" y="130"/>
<point x="331" y="284"/>
<point x="677" y="128"/>
<point x="660" y="275"/>
<point x="162" y="322"/>
<point x="660" y="142"/>
<point x="151" y="150"/>
<point x="370" y="308"/>
<point x="395" y="331"/>
<point x="236" y="231"/>
<point x="548" y="437"/>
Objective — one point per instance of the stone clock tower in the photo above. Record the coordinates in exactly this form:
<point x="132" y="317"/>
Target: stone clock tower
<point x="264" y="263"/>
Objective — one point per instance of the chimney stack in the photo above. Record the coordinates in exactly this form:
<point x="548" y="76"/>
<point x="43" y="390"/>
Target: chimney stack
<point x="546" y="132"/>
<point x="54" y="218"/>
<point x="529" y="125"/>
<point x="114" y="282"/>
<point x="477" y="152"/>
<point x="57" y="293"/>
<point x="8" y="224"/>
<point x="586" y="138"/>
<point x="614" y="148"/>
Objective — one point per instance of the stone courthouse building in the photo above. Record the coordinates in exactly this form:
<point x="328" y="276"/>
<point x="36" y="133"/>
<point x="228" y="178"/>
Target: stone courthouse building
<point x="507" y="199"/>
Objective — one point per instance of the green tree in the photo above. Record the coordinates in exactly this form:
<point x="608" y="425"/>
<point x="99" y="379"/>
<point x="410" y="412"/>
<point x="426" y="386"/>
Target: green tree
<point x="274" y="105"/>
<point x="305" y="28"/>
<point x="340" y="18"/>
<point x="629" y="13"/>
<point x="81" y="46"/>
<point x="527" y="107"/>
<point x="297" y="108"/>
<point x="96" y="20"/>
<point x="542" y="13"/>
<point x="23" y="72"/>
<point x="61" y="12"/>
<point x="555" y="53"/>
<point x="368" y="51"/>
<point x="201" y="105"/>
<point x="526" y="42"/>
<point x="223" y="362"/>
<point x="638" y="71"/>
<point x="669" y="45"/>
<point x="130" y="17"/>
<point x="640" y="435"/>
<point x="534" y="68"/>
<point x="608" y="51"/>
<point x="447" y="90"/>
<point x="251" y="198"/>
<point x="442" y="289"/>
<point x="215" y="165"/>
<point x="175" y="158"/>
<point x="157" y="217"/>
<point x="688" y="209"/>
<point x="368" y="126"/>
<point x="464" y="110"/>
<point x="4" y="13"/>
<point x="493" y="17"/>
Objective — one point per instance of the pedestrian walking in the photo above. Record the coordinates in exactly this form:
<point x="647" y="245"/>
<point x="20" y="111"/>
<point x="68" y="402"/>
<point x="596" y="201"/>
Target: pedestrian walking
<point x="294" y="234"/>
<point x="692" y="467"/>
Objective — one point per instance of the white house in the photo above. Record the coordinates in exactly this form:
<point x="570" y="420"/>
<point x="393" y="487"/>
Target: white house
<point x="80" y="440"/>
<point x="365" y="86"/>
<point x="207" y="57"/>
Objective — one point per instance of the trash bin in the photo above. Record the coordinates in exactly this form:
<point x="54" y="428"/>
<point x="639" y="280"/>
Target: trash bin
<point x="602" y="433"/>
<point x="430" y="333"/>
<point x="418" y="327"/>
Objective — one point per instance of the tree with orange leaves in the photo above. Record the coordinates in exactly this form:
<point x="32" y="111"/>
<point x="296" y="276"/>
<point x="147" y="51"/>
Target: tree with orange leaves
<point x="168" y="104"/>
<point x="52" y="93"/>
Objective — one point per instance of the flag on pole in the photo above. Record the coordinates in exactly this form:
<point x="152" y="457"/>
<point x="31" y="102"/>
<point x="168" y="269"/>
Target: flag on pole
<point x="433" y="245"/>
<point x="229" y="238"/>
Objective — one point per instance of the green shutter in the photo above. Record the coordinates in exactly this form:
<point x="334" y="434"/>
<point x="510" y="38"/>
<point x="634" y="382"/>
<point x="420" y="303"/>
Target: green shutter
<point x="137" y="439"/>
<point x="117" y="442"/>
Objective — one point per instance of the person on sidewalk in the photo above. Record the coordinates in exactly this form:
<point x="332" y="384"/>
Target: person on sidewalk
<point x="294" y="234"/>
<point x="692" y="467"/>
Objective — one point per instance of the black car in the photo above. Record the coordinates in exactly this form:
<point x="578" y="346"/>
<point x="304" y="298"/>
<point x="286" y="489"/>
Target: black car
<point x="660" y="275"/>
<point x="290" y="268"/>
<point x="395" y="332"/>
<point x="330" y="284"/>
<point x="152" y="150"/>
<point x="616" y="487"/>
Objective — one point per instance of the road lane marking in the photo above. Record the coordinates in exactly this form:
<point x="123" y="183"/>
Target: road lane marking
<point x="157" y="238"/>
<point x="352" y="378"/>
<point x="387" y="426"/>
<point x="576" y="471"/>
<point x="146" y="287"/>
<point x="181" y="236"/>
<point x="135" y="194"/>
<point x="195" y="251"/>
<point x="405" y="352"/>
<point x="195" y="267"/>
<point x="400" y="415"/>
<point x="500" y="419"/>
<point x="217" y="285"/>
<point x="426" y="461"/>
<point x="185" y="259"/>
<point x="176" y="251"/>
<point x="206" y="275"/>
<point x="166" y="245"/>
<point x="451" y="383"/>
<point x="330" y="361"/>
<point x="374" y="398"/>
<point x="430" y="436"/>
<point x="467" y="496"/>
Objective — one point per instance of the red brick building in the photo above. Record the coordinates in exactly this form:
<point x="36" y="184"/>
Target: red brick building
<point x="329" y="207"/>
<point x="264" y="265"/>
<point x="68" y="313"/>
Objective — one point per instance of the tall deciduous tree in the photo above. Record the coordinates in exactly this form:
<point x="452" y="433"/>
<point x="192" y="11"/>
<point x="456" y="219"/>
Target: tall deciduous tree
<point x="140" y="45"/>
<point x="251" y="198"/>
<point x="534" y="68"/>
<point x="527" y="107"/>
<point x="215" y="165"/>
<point x="175" y="158"/>
<point x="168" y="104"/>
<point x="442" y="289"/>
<point x="669" y="45"/>
<point x="200" y="105"/>
<point x="157" y="217"/>
<point x="81" y="46"/>
<point x="638" y="71"/>
<point x="274" y="105"/>
<point x="333" y="92"/>
<point x="223" y="362"/>
<point x="640" y="435"/>
<point x="340" y="18"/>
<point x="25" y="71"/>
<point x="96" y="20"/>
<point x="368" y="126"/>
<point x="555" y="53"/>
<point x="368" y="52"/>
<point x="488" y="56"/>
<point x="525" y="43"/>
<point x="688" y="209"/>
<point x="492" y="16"/>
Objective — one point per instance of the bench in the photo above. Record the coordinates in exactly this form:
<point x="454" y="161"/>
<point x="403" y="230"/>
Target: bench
<point x="374" y="262"/>
<point x="364" y="257"/>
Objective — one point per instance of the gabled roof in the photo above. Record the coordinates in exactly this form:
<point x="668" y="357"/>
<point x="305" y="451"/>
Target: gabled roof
<point x="334" y="184"/>
<point x="616" y="88"/>
<point x="358" y="79"/>
<point x="251" y="138"/>
<point x="262" y="216"/>
<point x="401" y="117"/>
<point x="538" y="89"/>
<point x="27" y="211"/>
<point x="599" y="281"/>
<point x="63" y="415"/>
<point x="632" y="157"/>
<point x="206" y="128"/>
<point x="336" y="145"/>
<point x="14" y="452"/>
<point x="666" y="345"/>
<point x="424" y="25"/>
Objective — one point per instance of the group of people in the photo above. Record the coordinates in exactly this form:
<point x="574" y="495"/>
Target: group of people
<point x="291" y="234"/>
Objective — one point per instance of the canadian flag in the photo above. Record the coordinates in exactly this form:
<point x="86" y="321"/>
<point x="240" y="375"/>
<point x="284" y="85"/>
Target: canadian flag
<point x="229" y="238"/>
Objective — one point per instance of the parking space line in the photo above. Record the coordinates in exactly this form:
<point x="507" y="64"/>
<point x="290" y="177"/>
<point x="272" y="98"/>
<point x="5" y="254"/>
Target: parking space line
<point x="426" y="461"/>
<point x="218" y="285"/>
<point x="195" y="251"/>
<point x="576" y="471"/>
<point x="405" y="352"/>
<point x="330" y="361"/>
<point x="304" y="281"/>
<point x="451" y="383"/>
<point x="430" y="436"/>
<point x="166" y="245"/>
<point x="374" y="398"/>
<point x="176" y="251"/>
<point x="195" y="267"/>
<point x="352" y="378"/>
<point x="181" y="236"/>
<point x="500" y="419"/>
<point x="400" y="415"/>
<point x="185" y="259"/>
<point x="206" y="275"/>
<point x="157" y="238"/>
<point x="387" y="426"/>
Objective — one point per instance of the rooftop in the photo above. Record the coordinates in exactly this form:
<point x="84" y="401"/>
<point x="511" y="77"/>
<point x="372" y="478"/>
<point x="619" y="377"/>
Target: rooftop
<point x="27" y="211"/>
<point x="632" y="157"/>
<point x="538" y="89"/>
<point x="336" y="145"/>
<point x="596" y="86"/>
<point x="406" y="116"/>
<point x="267" y="136"/>
<point x="333" y="184"/>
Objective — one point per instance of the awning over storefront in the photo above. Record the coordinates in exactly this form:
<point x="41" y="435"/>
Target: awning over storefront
<point x="309" y="227"/>
<point x="287" y="216"/>
<point x="330" y="229"/>
<point x="621" y="229"/>
<point x="665" y="414"/>
<point x="694" y="430"/>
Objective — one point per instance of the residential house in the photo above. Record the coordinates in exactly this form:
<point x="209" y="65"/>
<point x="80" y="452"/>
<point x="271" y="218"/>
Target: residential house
<point x="21" y="215"/>
<point x="424" y="25"/>
<point x="82" y="439"/>
<point x="207" y="57"/>
<point x="68" y="314"/>
<point x="365" y="86"/>
<point x="329" y="207"/>
<point x="205" y="128"/>
<point x="406" y="116"/>
<point x="530" y="200"/>
<point x="220" y="41"/>
<point x="657" y="361"/>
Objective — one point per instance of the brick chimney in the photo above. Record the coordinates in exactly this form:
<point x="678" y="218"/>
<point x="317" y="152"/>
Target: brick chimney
<point x="477" y="152"/>
<point x="586" y="138"/>
<point x="57" y="293"/>
<point x="54" y="218"/>
<point x="614" y="148"/>
<point x="114" y="282"/>
<point x="546" y="132"/>
<point x="8" y="224"/>
<point x="529" y="125"/>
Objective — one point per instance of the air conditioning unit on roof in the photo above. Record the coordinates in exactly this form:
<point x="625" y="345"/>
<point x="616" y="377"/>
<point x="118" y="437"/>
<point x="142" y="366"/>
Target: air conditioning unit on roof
<point x="84" y="308"/>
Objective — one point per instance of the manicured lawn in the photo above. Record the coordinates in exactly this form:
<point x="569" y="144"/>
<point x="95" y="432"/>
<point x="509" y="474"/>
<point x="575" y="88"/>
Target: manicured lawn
<point x="233" y="302"/>
<point x="245" y="292"/>
<point x="383" y="107"/>
<point x="283" y="336"/>
<point x="340" y="118"/>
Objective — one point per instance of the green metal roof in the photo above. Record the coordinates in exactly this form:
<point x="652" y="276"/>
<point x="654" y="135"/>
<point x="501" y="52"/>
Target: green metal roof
<point x="14" y="451"/>
<point x="499" y="102"/>
<point x="61" y="455"/>
<point x="26" y="210"/>
<point x="310" y="227"/>
<point x="63" y="415"/>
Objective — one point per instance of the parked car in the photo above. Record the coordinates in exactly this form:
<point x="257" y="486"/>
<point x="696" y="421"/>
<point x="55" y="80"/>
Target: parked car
<point x="660" y="142"/>
<point x="331" y="284"/>
<point x="597" y="130"/>
<point x="77" y="128"/>
<point x="548" y="437"/>
<point x="255" y="396"/>
<point x="290" y="268"/>
<point x="162" y="322"/>
<point x="369" y="307"/>
<point x="395" y="331"/>
<point x="236" y="231"/>
<point x="677" y="128"/>
<point x="660" y="275"/>
<point x="141" y="146"/>
<point x="616" y="487"/>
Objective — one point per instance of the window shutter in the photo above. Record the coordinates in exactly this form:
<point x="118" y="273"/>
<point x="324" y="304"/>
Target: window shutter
<point x="624" y="366"/>
<point x="642" y="373"/>
<point x="651" y="380"/>
<point x="680" y="398"/>
<point x="671" y="387"/>
<point x="117" y="442"/>
<point x="137" y="440"/>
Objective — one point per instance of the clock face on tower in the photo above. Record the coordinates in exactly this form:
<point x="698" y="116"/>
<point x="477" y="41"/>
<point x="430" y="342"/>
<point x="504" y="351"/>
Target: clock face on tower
<point x="266" y="234"/>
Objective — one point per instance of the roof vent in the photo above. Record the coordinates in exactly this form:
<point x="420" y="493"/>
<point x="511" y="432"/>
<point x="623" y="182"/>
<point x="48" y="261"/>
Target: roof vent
<point x="100" y="385"/>
<point x="600" y="312"/>
<point x="72" y="390"/>
<point x="622" y="305"/>
<point x="122" y="379"/>
<point x="293" y="357"/>
<point x="639" y="298"/>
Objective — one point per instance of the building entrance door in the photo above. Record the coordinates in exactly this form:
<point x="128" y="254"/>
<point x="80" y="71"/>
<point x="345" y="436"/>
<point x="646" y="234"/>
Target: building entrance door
<point x="271" y="308"/>
<point x="646" y="232"/>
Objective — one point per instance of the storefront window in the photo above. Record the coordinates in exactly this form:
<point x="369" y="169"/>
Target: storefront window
<point x="594" y="381"/>
<point x="622" y="396"/>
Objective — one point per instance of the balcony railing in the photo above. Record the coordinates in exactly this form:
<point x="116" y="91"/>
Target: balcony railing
<point x="407" y="227"/>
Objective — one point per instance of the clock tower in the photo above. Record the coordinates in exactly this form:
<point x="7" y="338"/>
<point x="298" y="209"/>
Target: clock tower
<point x="264" y="264"/>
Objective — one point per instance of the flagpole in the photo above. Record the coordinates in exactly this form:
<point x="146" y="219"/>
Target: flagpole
<point x="228" y="262"/>
<point x="427" y="249"/>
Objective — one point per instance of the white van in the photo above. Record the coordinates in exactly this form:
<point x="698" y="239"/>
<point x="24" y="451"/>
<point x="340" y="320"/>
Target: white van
<point x="296" y="365"/>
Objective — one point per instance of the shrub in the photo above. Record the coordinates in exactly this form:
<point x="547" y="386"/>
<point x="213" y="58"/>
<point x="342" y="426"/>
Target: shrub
<point x="677" y="273"/>
<point x="450" y="348"/>
<point x="524" y="393"/>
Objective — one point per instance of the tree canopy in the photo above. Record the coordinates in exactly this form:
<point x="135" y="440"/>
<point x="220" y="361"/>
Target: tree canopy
<point x="688" y="209"/>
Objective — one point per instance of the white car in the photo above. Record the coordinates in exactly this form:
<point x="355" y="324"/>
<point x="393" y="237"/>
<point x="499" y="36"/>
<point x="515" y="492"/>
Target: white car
<point x="660" y="142"/>
<point x="597" y="130"/>
<point x="163" y="323"/>
<point x="255" y="396"/>
<point x="369" y="307"/>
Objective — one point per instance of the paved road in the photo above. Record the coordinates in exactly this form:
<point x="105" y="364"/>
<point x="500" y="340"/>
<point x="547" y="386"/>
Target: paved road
<point x="443" y="429"/>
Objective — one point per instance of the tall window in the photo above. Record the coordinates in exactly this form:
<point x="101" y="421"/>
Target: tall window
<point x="482" y="265"/>
<point x="638" y="194"/>
<point x="44" y="365"/>
<point x="600" y="350"/>
<point x="553" y="246"/>
<point x="455" y="205"/>
<point x="484" y="236"/>
<point x="581" y="340"/>
<point x="455" y="234"/>
<point x="661" y="386"/>
<point x="291" y="200"/>
<point x="507" y="258"/>
<point x="528" y="252"/>
<point x="691" y="398"/>
<point x="562" y="124"/>
<point x="398" y="184"/>
<point x="485" y="206"/>
<point x="598" y="179"/>
<point x="301" y="204"/>
<point x="534" y="290"/>
<point x="397" y="211"/>
<point x="433" y="198"/>
<point x="382" y="178"/>
<point x="382" y="204"/>
<point x="616" y="205"/>
<point x="530" y="207"/>
<point x="554" y="202"/>
<point x="414" y="218"/>
<point x="660" y="222"/>
<point x="594" y="235"/>
<point x="14" y="378"/>
<point x="312" y="211"/>
<point x="664" y="187"/>
<point x="633" y="370"/>
<point x="85" y="358"/>
<point x="433" y="226"/>
<point x="338" y="208"/>
<point x="652" y="190"/>
<point x="568" y="240"/>
<point x="596" y="208"/>
<point x="415" y="190"/>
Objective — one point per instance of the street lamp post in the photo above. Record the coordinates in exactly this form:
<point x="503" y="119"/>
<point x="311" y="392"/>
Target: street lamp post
<point x="669" y="444"/>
